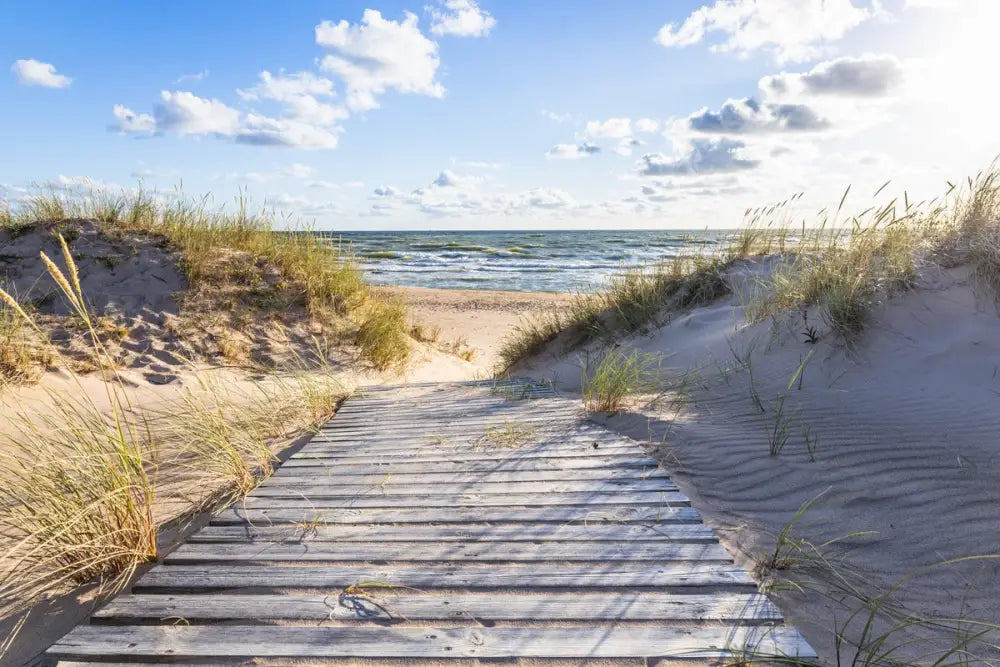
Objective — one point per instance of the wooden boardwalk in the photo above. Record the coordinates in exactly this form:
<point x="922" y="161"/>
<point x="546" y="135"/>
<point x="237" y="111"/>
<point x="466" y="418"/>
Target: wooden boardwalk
<point x="452" y="522"/>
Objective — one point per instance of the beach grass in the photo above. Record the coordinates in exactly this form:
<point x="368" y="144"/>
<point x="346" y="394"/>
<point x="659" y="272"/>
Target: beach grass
<point x="382" y="336"/>
<point x="607" y="382"/>
<point x="871" y="625"/>
<point x="78" y="481"/>
<point x="24" y="351"/>
<point x="234" y="247"/>
<point x="82" y="476"/>
<point x="632" y="301"/>
<point x="843" y="265"/>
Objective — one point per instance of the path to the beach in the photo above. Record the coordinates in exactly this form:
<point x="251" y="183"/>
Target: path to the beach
<point x="441" y="522"/>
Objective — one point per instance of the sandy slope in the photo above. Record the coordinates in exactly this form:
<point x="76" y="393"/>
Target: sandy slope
<point x="908" y="430"/>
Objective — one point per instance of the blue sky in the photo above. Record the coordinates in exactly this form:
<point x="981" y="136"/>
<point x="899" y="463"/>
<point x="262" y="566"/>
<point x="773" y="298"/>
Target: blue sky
<point x="464" y="114"/>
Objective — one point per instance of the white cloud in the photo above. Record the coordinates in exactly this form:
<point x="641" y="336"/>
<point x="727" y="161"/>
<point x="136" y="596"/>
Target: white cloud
<point x="932" y="4"/>
<point x="380" y="55"/>
<point x="306" y="121"/>
<point x="32" y="72"/>
<point x="198" y="76"/>
<point x="449" y="179"/>
<point x="288" y="87"/>
<point x="647" y="125"/>
<point x="572" y="151"/>
<point x="870" y="75"/>
<point x="704" y="156"/>
<point x="386" y="191"/>
<point x="462" y="18"/>
<point x="612" y="128"/>
<point x="544" y="198"/>
<point x="187" y="114"/>
<point x="749" y="116"/>
<point x="128" y="121"/>
<point x="626" y="145"/>
<point x="257" y="130"/>
<point x="793" y="30"/>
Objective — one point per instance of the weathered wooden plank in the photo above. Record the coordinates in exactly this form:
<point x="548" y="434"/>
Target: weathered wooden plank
<point x="531" y="532"/>
<point x="606" y="462"/>
<point x="239" y="514"/>
<point x="476" y="441"/>
<point x="466" y="576"/>
<point x="296" y="475"/>
<point x="405" y="605"/>
<point x="299" y="488"/>
<point x="550" y="435"/>
<point x="457" y="409"/>
<point x="226" y="641"/>
<point x="492" y="454"/>
<point x="416" y="449"/>
<point x="318" y="499"/>
<point x="452" y="552"/>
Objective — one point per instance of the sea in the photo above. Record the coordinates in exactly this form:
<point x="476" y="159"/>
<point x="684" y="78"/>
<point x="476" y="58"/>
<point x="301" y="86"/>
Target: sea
<point x="549" y="261"/>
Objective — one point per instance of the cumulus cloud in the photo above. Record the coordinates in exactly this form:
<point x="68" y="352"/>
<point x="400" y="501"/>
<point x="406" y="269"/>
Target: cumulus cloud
<point x="32" y="72"/>
<point x="187" y="114"/>
<point x="749" y="116"/>
<point x="386" y="191"/>
<point x="793" y="30"/>
<point x="863" y="76"/>
<point x="647" y="125"/>
<point x="288" y="87"/>
<point x="379" y="55"/>
<point x="626" y="145"/>
<point x="130" y="122"/>
<point x="306" y="121"/>
<point x="572" y="151"/>
<point x="705" y="156"/>
<point x="449" y="179"/>
<point x="461" y="18"/>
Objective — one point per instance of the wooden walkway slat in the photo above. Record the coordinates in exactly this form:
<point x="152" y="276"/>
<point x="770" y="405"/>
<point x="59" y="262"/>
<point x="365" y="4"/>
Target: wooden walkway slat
<point x="454" y="552"/>
<point x="405" y="531"/>
<point x="655" y="514"/>
<point x="402" y="606"/>
<point x="532" y="532"/>
<point x="588" y="641"/>
<point x="445" y="576"/>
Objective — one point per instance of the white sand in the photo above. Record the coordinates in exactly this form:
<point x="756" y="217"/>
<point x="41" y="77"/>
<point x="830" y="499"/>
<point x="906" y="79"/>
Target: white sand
<point x="908" y="428"/>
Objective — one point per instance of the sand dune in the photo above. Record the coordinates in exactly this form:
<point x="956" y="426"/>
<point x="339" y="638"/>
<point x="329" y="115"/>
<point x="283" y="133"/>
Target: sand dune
<point x="907" y="431"/>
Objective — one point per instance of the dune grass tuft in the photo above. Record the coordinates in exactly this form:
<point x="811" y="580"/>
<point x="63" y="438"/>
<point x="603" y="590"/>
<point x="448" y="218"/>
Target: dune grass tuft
<point x="632" y="301"/>
<point x="24" y="351"/>
<point x="223" y="247"/>
<point x="382" y="336"/>
<point x="616" y="375"/>
<point x="76" y="482"/>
